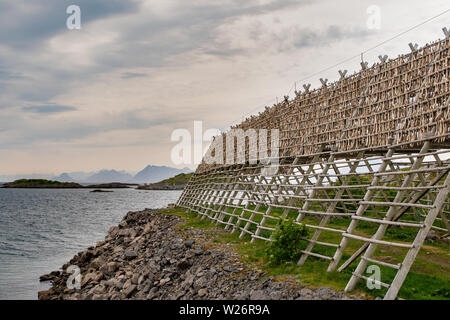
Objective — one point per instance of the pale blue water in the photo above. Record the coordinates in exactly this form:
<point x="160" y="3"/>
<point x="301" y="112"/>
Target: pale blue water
<point x="41" y="229"/>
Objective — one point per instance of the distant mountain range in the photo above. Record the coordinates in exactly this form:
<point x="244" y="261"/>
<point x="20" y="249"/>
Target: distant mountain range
<point x="149" y="174"/>
<point x="110" y="176"/>
<point x="158" y="173"/>
<point x="64" y="178"/>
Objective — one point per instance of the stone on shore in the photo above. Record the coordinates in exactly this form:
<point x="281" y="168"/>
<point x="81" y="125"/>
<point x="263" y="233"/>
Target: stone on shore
<point x="148" y="257"/>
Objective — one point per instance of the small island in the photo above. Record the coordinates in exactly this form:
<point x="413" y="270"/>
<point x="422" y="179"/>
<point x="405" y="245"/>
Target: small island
<point x="41" y="183"/>
<point x="175" y="183"/>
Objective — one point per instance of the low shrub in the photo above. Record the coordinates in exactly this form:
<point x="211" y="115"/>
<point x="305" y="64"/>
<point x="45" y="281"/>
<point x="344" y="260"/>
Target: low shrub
<point x="287" y="243"/>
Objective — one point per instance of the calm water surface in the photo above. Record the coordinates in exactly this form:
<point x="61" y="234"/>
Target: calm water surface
<point x="41" y="229"/>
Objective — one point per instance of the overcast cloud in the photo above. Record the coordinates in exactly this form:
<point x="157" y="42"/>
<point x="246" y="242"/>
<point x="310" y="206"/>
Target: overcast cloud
<point x="109" y="95"/>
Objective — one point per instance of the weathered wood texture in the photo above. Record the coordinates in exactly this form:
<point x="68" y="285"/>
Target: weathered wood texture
<point x="404" y="98"/>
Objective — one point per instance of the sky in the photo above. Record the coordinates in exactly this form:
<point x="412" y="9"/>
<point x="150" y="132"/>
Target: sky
<point x="109" y="95"/>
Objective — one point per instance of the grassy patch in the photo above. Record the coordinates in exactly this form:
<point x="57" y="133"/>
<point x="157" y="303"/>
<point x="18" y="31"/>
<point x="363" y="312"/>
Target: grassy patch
<point x="179" y="179"/>
<point x="428" y="278"/>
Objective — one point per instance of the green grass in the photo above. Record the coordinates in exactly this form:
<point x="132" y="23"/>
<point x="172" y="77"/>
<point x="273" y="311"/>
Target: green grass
<point x="428" y="278"/>
<point x="179" y="179"/>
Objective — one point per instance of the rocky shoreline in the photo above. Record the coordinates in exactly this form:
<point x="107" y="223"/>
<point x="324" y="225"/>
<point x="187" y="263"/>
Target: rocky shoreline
<point x="147" y="257"/>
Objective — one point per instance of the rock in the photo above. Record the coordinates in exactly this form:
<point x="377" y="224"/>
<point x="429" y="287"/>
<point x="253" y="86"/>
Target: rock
<point x="113" y="231"/>
<point x="202" y="292"/>
<point x="135" y="278"/>
<point x="164" y="281"/>
<point x="46" y="294"/>
<point x="183" y="265"/>
<point x="123" y="224"/>
<point x="227" y="268"/>
<point x="153" y="293"/>
<point x="324" y="293"/>
<point x="117" y="248"/>
<point x="130" y="255"/>
<point x="275" y="295"/>
<point x="127" y="284"/>
<point x="50" y="276"/>
<point x="129" y="291"/>
<point x="118" y="284"/>
<point x="88" y="278"/>
<point x="86" y="256"/>
<point x="148" y="227"/>
<point x="200" y="283"/>
<point x="97" y="263"/>
<point x="243" y="295"/>
<point x="189" y="243"/>
<point x="98" y="277"/>
<point x="258" y="295"/>
<point x="111" y="267"/>
<point x="187" y="283"/>
<point x="305" y="292"/>
<point x="153" y="267"/>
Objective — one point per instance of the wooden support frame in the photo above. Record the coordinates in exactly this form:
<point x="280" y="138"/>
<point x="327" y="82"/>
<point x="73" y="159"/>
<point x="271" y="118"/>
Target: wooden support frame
<point x="381" y="132"/>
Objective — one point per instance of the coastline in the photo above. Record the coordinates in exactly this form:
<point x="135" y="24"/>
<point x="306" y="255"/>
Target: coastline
<point x="151" y="255"/>
<point x="115" y="185"/>
<point x="65" y="185"/>
<point x="64" y="222"/>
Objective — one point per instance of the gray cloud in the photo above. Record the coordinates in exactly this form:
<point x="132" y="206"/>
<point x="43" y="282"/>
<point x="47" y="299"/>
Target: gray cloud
<point x="6" y="75"/>
<point x="333" y="33"/>
<point x="28" y="133"/>
<point x="131" y="75"/>
<point x="26" y="71"/>
<point x="48" y="109"/>
<point x="142" y="41"/>
<point x="190" y="26"/>
<point x="26" y="24"/>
